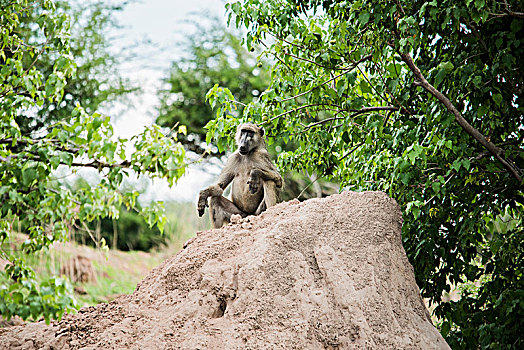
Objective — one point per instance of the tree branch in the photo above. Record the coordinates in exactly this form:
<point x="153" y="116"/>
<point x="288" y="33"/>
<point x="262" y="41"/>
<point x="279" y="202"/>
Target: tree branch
<point x="373" y="109"/>
<point x="365" y="58"/>
<point x="353" y="150"/>
<point x="508" y="12"/>
<point x="355" y="112"/>
<point x="497" y="152"/>
<point x="276" y="56"/>
<point x="309" y="126"/>
<point x="294" y="110"/>
<point x="312" y="62"/>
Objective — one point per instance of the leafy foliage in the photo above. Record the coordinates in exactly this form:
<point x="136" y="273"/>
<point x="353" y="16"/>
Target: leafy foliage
<point x="211" y="55"/>
<point x="422" y="100"/>
<point x="35" y="75"/>
<point x="94" y="81"/>
<point x="29" y="299"/>
<point x="129" y="232"/>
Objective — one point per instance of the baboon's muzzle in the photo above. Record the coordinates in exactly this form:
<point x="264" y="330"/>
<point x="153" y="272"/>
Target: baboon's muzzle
<point x="243" y="145"/>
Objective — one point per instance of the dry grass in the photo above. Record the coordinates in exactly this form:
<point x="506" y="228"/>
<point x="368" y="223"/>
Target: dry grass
<point x="115" y="272"/>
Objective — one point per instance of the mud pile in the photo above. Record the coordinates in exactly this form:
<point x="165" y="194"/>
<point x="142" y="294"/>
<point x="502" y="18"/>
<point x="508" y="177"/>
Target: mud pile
<point x="322" y="274"/>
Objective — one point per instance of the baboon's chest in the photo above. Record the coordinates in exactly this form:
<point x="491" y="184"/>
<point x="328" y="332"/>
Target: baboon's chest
<point x="240" y="194"/>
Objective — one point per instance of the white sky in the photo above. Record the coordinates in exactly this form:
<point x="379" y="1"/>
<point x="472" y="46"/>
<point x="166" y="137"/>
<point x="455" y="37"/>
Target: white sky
<point x="161" y="21"/>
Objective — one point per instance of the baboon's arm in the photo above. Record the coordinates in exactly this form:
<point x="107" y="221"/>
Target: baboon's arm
<point x="267" y="175"/>
<point x="225" y="178"/>
<point x="265" y="169"/>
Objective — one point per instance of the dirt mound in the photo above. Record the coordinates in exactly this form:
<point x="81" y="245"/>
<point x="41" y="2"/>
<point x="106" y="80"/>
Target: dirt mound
<point x="322" y="274"/>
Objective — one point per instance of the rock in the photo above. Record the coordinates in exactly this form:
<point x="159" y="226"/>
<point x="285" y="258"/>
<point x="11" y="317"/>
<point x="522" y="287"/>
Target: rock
<point x="188" y="242"/>
<point x="246" y="225"/>
<point x="80" y="290"/>
<point x="322" y="274"/>
<point x="235" y="218"/>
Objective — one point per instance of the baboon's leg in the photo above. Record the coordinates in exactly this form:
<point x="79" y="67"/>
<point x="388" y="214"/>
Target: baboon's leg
<point x="270" y="193"/>
<point x="270" y="196"/>
<point x="221" y="209"/>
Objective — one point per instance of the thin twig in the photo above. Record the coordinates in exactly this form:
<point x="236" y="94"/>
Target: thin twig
<point x="311" y="183"/>
<point x="293" y="110"/>
<point x="276" y="56"/>
<point x="379" y="67"/>
<point x="449" y="178"/>
<point x="329" y="80"/>
<point x="313" y="62"/>
<point x="353" y="150"/>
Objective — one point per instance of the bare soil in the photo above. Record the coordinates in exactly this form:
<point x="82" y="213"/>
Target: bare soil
<point x="322" y="274"/>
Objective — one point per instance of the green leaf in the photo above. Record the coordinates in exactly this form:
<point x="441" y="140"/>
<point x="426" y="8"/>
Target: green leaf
<point x="444" y="330"/>
<point x="516" y="25"/>
<point x="363" y="18"/>
<point x="479" y="4"/>
<point x="482" y="111"/>
<point x="364" y="87"/>
<point x="466" y="164"/>
<point x="341" y="86"/>
<point x="345" y="137"/>
<point x="456" y="165"/>
<point x="497" y="98"/>
<point x="443" y="69"/>
<point x="66" y="158"/>
<point x="477" y="81"/>
<point x="17" y="297"/>
<point x="28" y="176"/>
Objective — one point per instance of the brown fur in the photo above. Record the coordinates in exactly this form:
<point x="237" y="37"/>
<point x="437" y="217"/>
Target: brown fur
<point x="253" y="176"/>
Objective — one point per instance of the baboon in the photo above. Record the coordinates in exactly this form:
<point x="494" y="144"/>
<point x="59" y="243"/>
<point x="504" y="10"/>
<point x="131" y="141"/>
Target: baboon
<point x="255" y="180"/>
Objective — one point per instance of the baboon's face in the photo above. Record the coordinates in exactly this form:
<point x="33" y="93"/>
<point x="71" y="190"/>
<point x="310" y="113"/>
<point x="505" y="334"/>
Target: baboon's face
<point x="248" y="138"/>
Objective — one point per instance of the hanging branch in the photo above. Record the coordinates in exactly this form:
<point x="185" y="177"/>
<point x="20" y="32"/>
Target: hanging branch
<point x="497" y="152"/>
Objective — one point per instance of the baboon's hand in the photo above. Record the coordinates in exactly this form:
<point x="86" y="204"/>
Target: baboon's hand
<point x="201" y="206"/>
<point x="254" y="181"/>
<point x="253" y="187"/>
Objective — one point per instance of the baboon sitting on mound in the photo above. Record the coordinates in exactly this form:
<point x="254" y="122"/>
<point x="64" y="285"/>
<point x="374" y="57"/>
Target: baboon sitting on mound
<point x="255" y="180"/>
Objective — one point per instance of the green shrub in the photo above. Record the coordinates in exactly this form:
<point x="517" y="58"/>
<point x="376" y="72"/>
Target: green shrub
<point x="129" y="232"/>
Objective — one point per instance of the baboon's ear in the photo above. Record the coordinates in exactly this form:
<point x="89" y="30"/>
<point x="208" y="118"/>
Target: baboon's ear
<point x="261" y="131"/>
